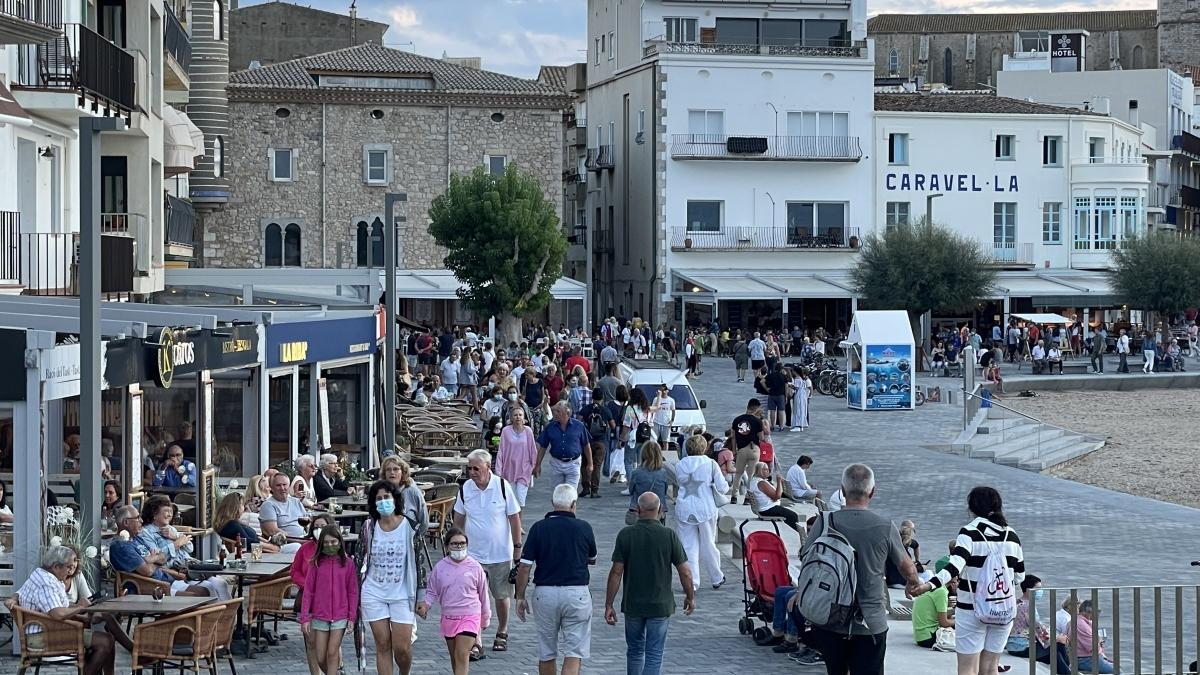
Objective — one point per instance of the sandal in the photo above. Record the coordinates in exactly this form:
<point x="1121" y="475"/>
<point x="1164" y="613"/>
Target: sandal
<point x="500" y="644"/>
<point x="477" y="653"/>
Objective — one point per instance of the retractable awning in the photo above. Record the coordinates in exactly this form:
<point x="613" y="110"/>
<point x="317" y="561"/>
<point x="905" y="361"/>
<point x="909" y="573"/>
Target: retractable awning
<point x="183" y="142"/>
<point x="762" y="285"/>
<point x="1043" y="318"/>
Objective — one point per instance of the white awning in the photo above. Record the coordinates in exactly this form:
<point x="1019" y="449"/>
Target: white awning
<point x="443" y="285"/>
<point x="1043" y="318"/>
<point x="763" y="284"/>
<point x="183" y="142"/>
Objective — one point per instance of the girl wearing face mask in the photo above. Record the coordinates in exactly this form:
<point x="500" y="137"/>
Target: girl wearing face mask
<point x="299" y="572"/>
<point x="493" y="406"/>
<point x="460" y="586"/>
<point x="493" y="429"/>
<point x="390" y="580"/>
<point x="1018" y="639"/>
<point x="512" y="401"/>
<point x="326" y="616"/>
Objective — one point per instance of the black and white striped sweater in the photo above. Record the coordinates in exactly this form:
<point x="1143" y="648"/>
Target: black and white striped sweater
<point x="971" y="548"/>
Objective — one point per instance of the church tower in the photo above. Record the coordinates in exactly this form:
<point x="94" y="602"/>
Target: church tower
<point x="1178" y="34"/>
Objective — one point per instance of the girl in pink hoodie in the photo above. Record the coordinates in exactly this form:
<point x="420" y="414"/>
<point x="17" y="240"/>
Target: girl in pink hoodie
<point x="328" y="609"/>
<point x="459" y="584"/>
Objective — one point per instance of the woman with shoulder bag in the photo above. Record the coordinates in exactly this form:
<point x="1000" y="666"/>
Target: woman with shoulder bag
<point x="634" y="434"/>
<point x="696" y="511"/>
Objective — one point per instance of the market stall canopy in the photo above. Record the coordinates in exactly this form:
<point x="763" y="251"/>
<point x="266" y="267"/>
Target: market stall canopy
<point x="183" y="142"/>
<point x="1043" y="318"/>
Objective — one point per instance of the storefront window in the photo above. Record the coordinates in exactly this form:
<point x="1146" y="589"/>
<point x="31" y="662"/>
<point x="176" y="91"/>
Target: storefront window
<point x="228" y="404"/>
<point x="345" y="410"/>
<point x="279" y="420"/>
<point x="168" y="416"/>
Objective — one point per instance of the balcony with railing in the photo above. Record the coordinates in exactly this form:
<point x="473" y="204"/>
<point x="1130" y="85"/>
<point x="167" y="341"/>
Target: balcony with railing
<point x="177" y="44"/>
<point x="777" y="148"/>
<point x="181" y="225"/>
<point x="602" y="240"/>
<point x="764" y="238"/>
<point x="47" y="263"/>
<point x="1188" y="143"/>
<point x="599" y="159"/>
<point x="1008" y="253"/>
<point x="1187" y="197"/>
<point x="1132" y="171"/>
<point x="24" y="22"/>
<point x="845" y="49"/>
<point x="99" y="75"/>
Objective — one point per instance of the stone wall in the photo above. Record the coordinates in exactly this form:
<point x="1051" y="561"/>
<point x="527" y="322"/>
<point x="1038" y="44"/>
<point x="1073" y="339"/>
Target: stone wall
<point x="417" y="136"/>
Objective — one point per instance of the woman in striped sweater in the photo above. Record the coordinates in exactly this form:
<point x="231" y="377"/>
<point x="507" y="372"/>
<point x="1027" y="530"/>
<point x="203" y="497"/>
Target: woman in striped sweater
<point x="979" y="645"/>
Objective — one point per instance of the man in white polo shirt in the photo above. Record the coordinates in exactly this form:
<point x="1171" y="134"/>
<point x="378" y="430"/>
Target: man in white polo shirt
<point x="488" y="511"/>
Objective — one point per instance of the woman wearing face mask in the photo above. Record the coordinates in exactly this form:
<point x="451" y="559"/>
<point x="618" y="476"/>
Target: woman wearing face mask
<point x="493" y="406"/>
<point x="390" y="580"/>
<point x="513" y="402"/>
<point x="517" y="455"/>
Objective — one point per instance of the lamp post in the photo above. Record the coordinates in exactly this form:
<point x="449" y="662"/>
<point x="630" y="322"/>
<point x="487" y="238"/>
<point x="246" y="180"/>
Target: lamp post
<point x="90" y="129"/>
<point x="929" y="206"/>
<point x="389" y="315"/>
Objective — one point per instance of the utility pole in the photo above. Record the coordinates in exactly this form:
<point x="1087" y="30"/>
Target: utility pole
<point x="389" y="313"/>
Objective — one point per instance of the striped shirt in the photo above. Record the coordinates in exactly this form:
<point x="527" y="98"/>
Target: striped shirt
<point x="971" y="548"/>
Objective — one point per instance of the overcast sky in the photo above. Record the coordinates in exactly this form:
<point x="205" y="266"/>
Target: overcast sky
<point x="517" y="36"/>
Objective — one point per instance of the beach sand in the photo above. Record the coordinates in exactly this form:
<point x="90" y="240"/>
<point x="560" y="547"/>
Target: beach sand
<point x="1149" y="452"/>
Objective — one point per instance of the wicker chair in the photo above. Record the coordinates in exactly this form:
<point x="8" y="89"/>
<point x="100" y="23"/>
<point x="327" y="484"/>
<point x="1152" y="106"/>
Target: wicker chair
<point x="439" y="517"/>
<point x="435" y="477"/>
<point x="60" y="642"/>
<point x="217" y="622"/>
<point x="272" y="598"/>
<point x="442" y="491"/>
<point x="425" y="438"/>
<point x="470" y="439"/>
<point x="171" y="641"/>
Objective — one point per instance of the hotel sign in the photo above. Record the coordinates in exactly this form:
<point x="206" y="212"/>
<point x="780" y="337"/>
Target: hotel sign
<point x="1066" y="52"/>
<point x="949" y="182"/>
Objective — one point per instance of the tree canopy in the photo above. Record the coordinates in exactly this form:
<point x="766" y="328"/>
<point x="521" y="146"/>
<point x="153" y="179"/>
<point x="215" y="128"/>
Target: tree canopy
<point x="922" y="267"/>
<point x="1158" y="272"/>
<point x="504" y="240"/>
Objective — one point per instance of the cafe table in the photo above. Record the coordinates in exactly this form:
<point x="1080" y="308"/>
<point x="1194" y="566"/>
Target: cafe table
<point x="147" y="606"/>
<point x="253" y="572"/>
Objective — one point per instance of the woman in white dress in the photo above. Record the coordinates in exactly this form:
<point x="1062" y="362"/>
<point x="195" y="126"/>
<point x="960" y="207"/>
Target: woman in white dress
<point x="799" y="399"/>
<point x="387" y="563"/>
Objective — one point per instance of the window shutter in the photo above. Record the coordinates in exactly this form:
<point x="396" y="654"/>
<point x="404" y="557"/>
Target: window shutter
<point x="366" y="164"/>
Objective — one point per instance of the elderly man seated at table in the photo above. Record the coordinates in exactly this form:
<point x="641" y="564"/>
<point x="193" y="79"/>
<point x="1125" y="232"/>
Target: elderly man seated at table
<point x="45" y="592"/>
<point x="174" y="471"/>
<point x="279" y="517"/>
<point x="128" y="553"/>
<point x="329" y="481"/>
<point x="158" y="533"/>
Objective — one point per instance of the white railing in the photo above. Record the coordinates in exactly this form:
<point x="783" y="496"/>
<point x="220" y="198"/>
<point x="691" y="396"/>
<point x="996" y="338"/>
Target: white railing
<point x="742" y="146"/>
<point x="1012" y="252"/>
<point x="763" y="238"/>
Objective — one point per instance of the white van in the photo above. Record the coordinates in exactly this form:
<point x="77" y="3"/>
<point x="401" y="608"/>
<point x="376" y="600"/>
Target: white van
<point x="648" y="374"/>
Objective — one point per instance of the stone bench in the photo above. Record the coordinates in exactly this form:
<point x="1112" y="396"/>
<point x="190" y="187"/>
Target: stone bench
<point x="731" y="516"/>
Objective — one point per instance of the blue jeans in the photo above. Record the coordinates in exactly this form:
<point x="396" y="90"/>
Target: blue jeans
<point x="612" y="445"/>
<point x="784" y="621"/>
<point x="645" y="640"/>
<point x="632" y="455"/>
<point x="1085" y="665"/>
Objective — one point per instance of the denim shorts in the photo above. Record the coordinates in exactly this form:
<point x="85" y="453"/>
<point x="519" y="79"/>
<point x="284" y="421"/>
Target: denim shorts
<point x="319" y="624"/>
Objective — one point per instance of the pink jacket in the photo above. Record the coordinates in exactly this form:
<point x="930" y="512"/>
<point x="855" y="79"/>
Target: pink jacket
<point x="461" y="588"/>
<point x="517" y="456"/>
<point x="332" y="592"/>
<point x="300" y="563"/>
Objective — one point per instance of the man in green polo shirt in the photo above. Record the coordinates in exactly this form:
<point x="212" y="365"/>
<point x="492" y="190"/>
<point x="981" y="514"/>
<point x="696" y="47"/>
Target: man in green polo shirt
<point x="642" y="561"/>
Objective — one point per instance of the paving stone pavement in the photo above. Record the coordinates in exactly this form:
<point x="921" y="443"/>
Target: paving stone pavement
<point x="1072" y="533"/>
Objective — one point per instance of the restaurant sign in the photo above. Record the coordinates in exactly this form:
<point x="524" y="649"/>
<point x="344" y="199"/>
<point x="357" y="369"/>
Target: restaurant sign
<point x="175" y="352"/>
<point x="296" y="343"/>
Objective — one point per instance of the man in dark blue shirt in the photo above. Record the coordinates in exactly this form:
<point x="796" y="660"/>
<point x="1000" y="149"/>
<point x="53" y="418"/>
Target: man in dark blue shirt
<point x="563" y="547"/>
<point x="568" y="441"/>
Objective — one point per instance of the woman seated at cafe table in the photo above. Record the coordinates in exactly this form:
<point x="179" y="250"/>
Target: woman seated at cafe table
<point x="160" y="535"/>
<point x="174" y="471"/>
<point x="330" y="480"/>
<point x="228" y="524"/>
<point x="128" y="553"/>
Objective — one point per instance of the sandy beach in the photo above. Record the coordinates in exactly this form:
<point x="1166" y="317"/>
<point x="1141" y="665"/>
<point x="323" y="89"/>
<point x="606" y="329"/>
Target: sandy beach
<point x="1149" y="451"/>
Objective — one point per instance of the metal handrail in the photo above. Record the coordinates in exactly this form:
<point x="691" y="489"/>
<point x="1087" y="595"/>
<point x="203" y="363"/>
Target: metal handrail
<point x="967" y="395"/>
<point x="1031" y="417"/>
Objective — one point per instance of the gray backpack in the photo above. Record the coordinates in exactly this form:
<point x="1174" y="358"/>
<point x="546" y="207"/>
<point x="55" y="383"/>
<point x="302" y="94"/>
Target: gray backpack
<point x="828" y="580"/>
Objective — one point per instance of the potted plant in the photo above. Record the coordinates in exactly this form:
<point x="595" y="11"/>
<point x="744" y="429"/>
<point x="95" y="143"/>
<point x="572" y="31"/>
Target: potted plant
<point x="687" y="243"/>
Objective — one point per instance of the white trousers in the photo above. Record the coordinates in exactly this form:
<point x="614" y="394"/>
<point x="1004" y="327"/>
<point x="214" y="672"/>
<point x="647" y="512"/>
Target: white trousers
<point x="700" y="544"/>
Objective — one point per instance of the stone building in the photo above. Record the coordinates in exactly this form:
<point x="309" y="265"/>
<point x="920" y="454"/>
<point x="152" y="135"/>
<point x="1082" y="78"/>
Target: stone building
<point x="274" y="32"/>
<point x="316" y="143"/>
<point x="1178" y="35"/>
<point x="965" y="51"/>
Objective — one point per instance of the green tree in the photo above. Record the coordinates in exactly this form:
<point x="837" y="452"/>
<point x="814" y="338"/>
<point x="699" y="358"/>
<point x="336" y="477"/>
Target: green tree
<point x="505" y="243"/>
<point x="920" y="268"/>
<point x="1159" y="272"/>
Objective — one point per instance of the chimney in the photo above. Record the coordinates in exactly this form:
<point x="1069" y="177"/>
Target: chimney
<point x="1133" y="112"/>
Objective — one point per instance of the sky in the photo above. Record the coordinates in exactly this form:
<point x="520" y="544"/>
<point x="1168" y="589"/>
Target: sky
<point x="517" y="36"/>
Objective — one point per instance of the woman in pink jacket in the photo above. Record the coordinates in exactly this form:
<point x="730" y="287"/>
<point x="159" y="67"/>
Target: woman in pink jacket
<point x="517" y="454"/>
<point x="325" y="616"/>
<point x="460" y="586"/>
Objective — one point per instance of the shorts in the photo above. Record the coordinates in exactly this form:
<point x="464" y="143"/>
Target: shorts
<point x="563" y="615"/>
<point x="972" y="637"/>
<point x="756" y="364"/>
<point x="323" y="625"/>
<point x="497" y="575"/>
<point x="427" y="359"/>
<point x="453" y="626"/>
<point x="776" y="403"/>
<point x="398" y="610"/>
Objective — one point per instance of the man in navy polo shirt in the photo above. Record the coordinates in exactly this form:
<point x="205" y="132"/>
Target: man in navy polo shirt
<point x="568" y="442"/>
<point x="563" y="547"/>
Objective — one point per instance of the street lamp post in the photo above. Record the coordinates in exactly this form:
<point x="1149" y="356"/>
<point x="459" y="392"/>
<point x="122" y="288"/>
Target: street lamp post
<point x="90" y="129"/>
<point x="389" y="315"/>
<point x="929" y="206"/>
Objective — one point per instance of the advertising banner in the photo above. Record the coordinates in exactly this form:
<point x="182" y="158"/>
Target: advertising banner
<point x="889" y="377"/>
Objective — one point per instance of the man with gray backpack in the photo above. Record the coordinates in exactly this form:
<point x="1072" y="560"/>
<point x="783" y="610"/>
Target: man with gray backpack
<point x="841" y="588"/>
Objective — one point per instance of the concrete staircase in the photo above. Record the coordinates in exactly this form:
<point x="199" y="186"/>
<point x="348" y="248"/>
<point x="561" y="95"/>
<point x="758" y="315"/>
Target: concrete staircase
<point x="1006" y="438"/>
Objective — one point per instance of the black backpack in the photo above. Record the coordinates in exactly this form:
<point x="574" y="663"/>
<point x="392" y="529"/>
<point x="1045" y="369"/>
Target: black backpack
<point x="644" y="432"/>
<point x="597" y="427"/>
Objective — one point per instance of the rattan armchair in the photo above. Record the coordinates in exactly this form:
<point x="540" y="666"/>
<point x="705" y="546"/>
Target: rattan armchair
<point x="273" y="598"/>
<point x="171" y="641"/>
<point x="60" y="641"/>
<point x="439" y="517"/>
<point x="217" y="621"/>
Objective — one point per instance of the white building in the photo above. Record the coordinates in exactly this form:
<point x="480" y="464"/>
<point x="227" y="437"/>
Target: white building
<point x="1051" y="191"/>
<point x="66" y="60"/>
<point x="729" y="152"/>
<point x="1160" y="102"/>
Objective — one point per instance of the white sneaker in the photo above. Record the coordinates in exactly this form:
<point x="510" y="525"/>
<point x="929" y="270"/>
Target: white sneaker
<point x="795" y="429"/>
<point x="624" y="493"/>
<point x="622" y="479"/>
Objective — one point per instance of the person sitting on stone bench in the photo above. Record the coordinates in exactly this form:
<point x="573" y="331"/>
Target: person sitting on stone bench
<point x="1054" y="358"/>
<point x="1174" y="357"/>
<point x="796" y="486"/>
<point x="1038" y="358"/>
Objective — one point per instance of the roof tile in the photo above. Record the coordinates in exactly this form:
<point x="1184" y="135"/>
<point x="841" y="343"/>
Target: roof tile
<point x="969" y="103"/>
<point x="1132" y="19"/>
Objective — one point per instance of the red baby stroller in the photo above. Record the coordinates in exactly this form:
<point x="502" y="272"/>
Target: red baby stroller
<point x="764" y="568"/>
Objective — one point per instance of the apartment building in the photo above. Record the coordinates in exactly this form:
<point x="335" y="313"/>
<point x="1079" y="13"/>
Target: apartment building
<point x="1050" y="191"/>
<point x="729" y="148"/>
<point x="66" y="60"/>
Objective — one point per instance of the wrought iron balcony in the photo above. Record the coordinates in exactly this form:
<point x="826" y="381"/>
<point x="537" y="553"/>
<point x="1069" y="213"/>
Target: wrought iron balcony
<point x="83" y="61"/>
<point x="763" y="238"/>
<point x="599" y="158"/>
<point x="181" y="222"/>
<point x="817" y="48"/>
<point x="1188" y="143"/>
<point x="176" y="40"/>
<point x="602" y="241"/>
<point x="47" y="263"/>
<point x="780" y="148"/>
<point x="29" y="21"/>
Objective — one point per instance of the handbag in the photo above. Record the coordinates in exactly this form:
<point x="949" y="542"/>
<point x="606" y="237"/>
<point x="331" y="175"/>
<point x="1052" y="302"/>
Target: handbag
<point x="943" y="640"/>
<point x="719" y="498"/>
